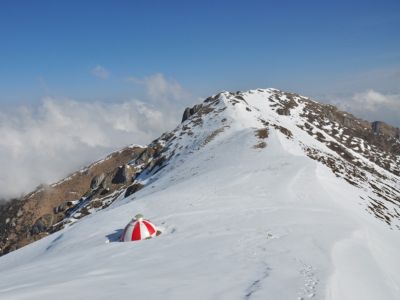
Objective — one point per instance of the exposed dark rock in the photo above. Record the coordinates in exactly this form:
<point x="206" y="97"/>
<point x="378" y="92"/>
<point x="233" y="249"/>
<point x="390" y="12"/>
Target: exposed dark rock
<point x="379" y="127"/>
<point x="260" y="145"/>
<point x="284" y="131"/>
<point x="286" y="105"/>
<point x="375" y="127"/>
<point x="42" y="224"/>
<point x="146" y="155"/>
<point x="133" y="189"/>
<point x="190" y="112"/>
<point x="60" y="208"/>
<point x="97" y="181"/>
<point x="104" y="191"/>
<point x="122" y="175"/>
<point x="97" y="204"/>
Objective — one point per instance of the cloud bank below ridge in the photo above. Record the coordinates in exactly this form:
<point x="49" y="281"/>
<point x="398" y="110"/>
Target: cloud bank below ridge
<point x="45" y="143"/>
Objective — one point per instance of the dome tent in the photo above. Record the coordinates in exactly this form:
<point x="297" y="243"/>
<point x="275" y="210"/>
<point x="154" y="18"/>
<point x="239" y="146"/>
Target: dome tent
<point x="138" y="229"/>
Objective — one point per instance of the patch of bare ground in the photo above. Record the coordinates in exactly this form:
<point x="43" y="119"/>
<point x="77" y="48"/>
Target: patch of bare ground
<point x="260" y="145"/>
<point x="284" y="131"/>
<point x="262" y="133"/>
<point x="213" y="135"/>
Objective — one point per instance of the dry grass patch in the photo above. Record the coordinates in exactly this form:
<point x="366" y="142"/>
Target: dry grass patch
<point x="262" y="133"/>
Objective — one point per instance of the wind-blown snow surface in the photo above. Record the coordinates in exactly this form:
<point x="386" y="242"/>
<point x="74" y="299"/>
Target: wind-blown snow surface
<point x="238" y="223"/>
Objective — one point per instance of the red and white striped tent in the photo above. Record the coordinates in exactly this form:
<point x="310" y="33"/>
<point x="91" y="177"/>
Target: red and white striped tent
<point x="138" y="229"/>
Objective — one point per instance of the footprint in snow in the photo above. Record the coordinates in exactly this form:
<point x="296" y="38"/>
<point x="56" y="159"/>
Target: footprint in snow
<point x="310" y="282"/>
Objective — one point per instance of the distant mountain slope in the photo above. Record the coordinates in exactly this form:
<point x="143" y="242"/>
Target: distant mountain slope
<point x="259" y="194"/>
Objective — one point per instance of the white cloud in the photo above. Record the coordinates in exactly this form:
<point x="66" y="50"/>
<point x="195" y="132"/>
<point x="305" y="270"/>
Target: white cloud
<point x="373" y="101"/>
<point x="44" y="144"/>
<point x="372" y="105"/>
<point x="100" y="72"/>
<point x="159" y="88"/>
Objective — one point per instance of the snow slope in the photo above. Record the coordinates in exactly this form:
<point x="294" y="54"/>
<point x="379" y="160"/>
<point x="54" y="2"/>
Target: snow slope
<point x="238" y="222"/>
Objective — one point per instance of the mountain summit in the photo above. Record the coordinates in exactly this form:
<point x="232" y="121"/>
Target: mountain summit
<point x="258" y="194"/>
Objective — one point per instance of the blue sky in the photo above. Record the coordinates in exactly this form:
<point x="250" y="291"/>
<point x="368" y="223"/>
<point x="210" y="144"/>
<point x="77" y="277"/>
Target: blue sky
<point x="313" y="47"/>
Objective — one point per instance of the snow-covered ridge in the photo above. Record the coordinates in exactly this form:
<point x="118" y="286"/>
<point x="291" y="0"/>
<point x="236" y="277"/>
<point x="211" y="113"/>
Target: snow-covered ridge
<point x="352" y="152"/>
<point x="259" y="194"/>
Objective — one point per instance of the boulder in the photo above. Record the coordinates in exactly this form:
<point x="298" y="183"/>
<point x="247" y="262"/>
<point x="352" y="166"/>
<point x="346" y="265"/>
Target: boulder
<point x="123" y="175"/>
<point x="42" y="224"/>
<point x="376" y="126"/>
<point x="133" y="189"/>
<point x="97" y="181"/>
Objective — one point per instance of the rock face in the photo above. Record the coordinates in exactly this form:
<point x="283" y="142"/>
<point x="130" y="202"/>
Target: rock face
<point x="123" y="175"/>
<point x="365" y="154"/>
<point x="190" y="112"/>
<point x="43" y="224"/>
<point x="379" y="127"/>
<point x="49" y="208"/>
<point x="97" y="181"/>
<point x="133" y="189"/>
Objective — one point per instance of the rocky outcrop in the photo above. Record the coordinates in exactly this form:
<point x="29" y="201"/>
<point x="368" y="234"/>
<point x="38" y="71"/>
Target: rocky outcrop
<point x="42" y="224"/>
<point x="123" y="175"/>
<point x="43" y="211"/>
<point x="379" y="127"/>
<point x="97" y="181"/>
<point x="50" y="208"/>
<point x="354" y="132"/>
<point x="190" y="111"/>
<point x="133" y="189"/>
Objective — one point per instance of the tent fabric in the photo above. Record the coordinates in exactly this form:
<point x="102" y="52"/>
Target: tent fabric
<point x="138" y="229"/>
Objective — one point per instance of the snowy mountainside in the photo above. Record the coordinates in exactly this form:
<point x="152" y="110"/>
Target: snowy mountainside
<point x="260" y="195"/>
<point x="362" y="157"/>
